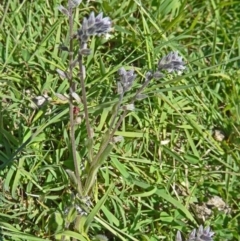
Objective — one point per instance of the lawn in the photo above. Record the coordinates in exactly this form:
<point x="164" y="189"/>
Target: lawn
<point x="120" y="120"/>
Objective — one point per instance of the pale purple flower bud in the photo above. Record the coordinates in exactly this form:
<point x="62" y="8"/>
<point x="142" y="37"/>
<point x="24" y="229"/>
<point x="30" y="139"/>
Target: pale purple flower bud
<point x="122" y="71"/>
<point x="178" y="237"/>
<point x="62" y="74"/>
<point x="91" y="31"/>
<point x="74" y="3"/>
<point x="91" y="19"/>
<point x="63" y="10"/>
<point x="158" y="75"/>
<point x="84" y="25"/>
<point x="84" y="38"/>
<point x="99" y="17"/>
<point x="148" y="76"/>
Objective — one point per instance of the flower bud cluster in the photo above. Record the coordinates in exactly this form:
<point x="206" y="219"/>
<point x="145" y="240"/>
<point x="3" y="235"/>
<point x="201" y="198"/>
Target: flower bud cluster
<point x="92" y="26"/>
<point x="172" y="62"/>
<point x="199" y="235"/>
<point x="126" y="80"/>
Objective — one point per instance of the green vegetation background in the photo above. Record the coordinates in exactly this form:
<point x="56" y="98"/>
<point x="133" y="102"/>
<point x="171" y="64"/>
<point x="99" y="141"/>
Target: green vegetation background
<point x="170" y="162"/>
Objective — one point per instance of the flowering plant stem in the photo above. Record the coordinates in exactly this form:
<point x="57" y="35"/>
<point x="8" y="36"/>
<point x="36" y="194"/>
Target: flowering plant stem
<point x="71" y="85"/>
<point x="117" y="108"/>
<point x="106" y="146"/>
<point x="82" y="75"/>
<point x="103" y="147"/>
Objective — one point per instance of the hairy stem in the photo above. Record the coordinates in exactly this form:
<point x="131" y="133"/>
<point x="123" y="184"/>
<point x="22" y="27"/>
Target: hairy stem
<point x="72" y="88"/>
<point x="84" y="99"/>
<point x="116" y="111"/>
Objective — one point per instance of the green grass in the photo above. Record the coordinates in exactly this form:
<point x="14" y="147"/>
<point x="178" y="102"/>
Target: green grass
<point x="169" y="162"/>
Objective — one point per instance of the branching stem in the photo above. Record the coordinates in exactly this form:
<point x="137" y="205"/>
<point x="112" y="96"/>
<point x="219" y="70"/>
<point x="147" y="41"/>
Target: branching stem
<point x="103" y="147"/>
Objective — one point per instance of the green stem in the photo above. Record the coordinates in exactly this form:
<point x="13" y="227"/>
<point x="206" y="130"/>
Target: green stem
<point x="84" y="100"/>
<point x="72" y="88"/>
<point x="105" y="144"/>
